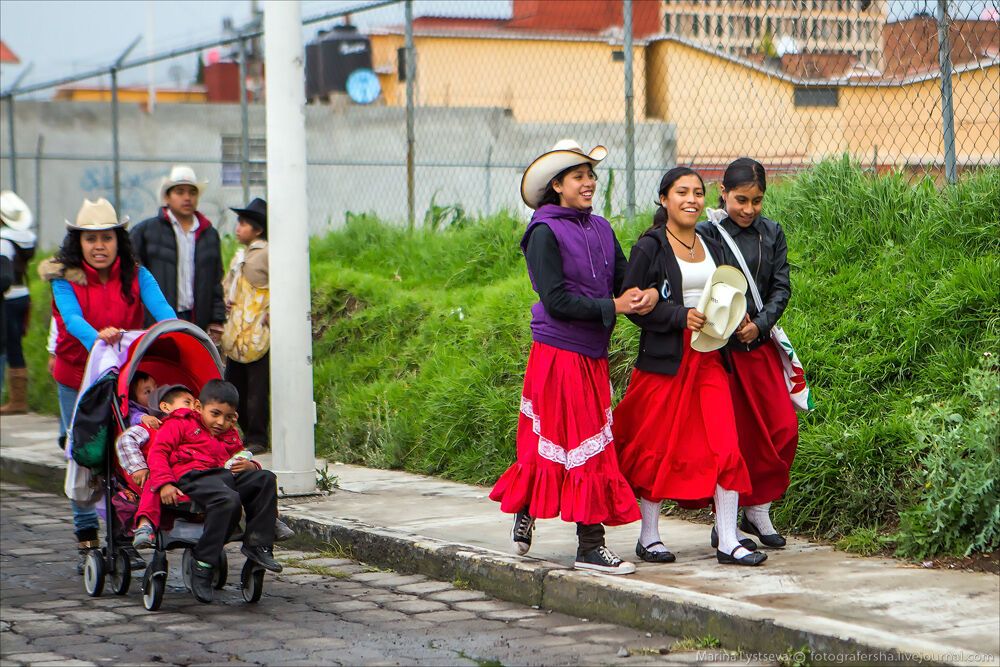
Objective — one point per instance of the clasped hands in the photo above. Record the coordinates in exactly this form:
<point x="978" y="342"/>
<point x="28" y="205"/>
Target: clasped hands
<point x="635" y="301"/>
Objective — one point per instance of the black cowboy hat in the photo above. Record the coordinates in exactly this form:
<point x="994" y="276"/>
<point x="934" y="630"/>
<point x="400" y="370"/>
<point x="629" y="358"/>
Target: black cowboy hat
<point x="256" y="211"/>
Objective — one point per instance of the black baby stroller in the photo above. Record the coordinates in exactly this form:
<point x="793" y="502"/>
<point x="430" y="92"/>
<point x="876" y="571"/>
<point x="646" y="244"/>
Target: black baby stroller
<point x="171" y="352"/>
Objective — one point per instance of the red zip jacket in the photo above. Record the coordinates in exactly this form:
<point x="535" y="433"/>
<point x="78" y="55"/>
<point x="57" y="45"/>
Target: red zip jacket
<point x="183" y="444"/>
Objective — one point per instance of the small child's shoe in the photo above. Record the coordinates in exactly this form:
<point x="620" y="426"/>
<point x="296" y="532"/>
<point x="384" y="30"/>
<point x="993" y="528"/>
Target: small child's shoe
<point x="143" y="538"/>
<point x="281" y="531"/>
<point x="262" y="556"/>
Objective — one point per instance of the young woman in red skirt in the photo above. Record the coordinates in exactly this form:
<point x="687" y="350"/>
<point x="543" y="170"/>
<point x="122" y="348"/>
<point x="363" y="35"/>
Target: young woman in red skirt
<point x="566" y="464"/>
<point x="675" y="428"/>
<point x="765" y="416"/>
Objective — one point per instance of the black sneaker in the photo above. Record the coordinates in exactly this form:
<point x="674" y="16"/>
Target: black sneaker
<point x="520" y="533"/>
<point x="135" y="561"/>
<point x="281" y="531"/>
<point x="603" y="559"/>
<point x="202" y="581"/>
<point x="262" y="556"/>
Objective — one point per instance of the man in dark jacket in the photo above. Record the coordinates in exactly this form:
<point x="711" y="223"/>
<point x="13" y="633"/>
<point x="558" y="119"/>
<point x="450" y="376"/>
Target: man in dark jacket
<point x="181" y="249"/>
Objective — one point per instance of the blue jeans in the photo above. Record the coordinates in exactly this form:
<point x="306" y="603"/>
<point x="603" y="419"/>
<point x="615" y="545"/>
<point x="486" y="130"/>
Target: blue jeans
<point x="84" y="517"/>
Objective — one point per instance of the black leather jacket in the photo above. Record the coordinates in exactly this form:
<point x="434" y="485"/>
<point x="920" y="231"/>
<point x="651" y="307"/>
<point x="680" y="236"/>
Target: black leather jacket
<point x="766" y="253"/>
<point x="652" y="263"/>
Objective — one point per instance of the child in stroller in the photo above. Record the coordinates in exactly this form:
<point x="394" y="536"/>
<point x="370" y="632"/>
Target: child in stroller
<point x="173" y="352"/>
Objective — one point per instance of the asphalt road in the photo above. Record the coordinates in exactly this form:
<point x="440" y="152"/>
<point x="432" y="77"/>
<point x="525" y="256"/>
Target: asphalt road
<point x="324" y="609"/>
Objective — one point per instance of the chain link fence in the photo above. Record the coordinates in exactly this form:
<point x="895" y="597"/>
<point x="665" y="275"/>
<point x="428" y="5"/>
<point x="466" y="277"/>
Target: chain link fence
<point x="452" y="108"/>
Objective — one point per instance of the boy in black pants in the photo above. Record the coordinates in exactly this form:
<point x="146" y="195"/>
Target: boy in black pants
<point x="196" y="453"/>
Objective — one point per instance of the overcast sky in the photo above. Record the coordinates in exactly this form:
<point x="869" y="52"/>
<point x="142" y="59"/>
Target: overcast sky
<point x="64" y="37"/>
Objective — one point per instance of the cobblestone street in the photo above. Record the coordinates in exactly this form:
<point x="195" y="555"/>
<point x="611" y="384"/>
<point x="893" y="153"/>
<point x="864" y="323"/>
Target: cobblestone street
<point x="322" y="610"/>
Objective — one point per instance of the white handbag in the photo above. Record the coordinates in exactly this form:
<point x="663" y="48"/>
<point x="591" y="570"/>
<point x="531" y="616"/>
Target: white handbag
<point x="795" y="377"/>
<point x="81" y="484"/>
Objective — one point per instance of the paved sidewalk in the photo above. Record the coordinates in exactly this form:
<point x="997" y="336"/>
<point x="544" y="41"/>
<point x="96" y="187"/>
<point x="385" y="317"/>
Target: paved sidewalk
<point x="805" y="595"/>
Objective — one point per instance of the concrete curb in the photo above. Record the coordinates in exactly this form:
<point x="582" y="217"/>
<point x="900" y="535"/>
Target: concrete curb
<point x="614" y="599"/>
<point x="765" y="633"/>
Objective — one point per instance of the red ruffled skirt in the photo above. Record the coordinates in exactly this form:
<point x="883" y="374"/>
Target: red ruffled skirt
<point x="676" y="434"/>
<point x="566" y="464"/>
<point x="766" y="421"/>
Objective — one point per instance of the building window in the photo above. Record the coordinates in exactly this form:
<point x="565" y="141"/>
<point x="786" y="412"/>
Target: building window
<point x="696" y="26"/>
<point x="666" y="23"/>
<point x="232" y="168"/>
<point x="849" y="29"/>
<point x="746" y="27"/>
<point x="718" y="26"/>
<point x="815" y="97"/>
<point x="708" y="26"/>
<point x="756" y="27"/>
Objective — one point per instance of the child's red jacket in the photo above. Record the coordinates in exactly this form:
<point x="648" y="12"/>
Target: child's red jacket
<point x="184" y="444"/>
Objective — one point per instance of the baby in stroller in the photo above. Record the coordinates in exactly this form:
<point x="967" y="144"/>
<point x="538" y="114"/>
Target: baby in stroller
<point x="193" y="455"/>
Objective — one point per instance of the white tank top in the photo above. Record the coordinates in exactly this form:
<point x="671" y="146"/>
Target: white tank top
<point x="695" y="275"/>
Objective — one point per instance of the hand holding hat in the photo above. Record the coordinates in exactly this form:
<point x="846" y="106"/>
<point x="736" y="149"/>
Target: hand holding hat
<point x="724" y="304"/>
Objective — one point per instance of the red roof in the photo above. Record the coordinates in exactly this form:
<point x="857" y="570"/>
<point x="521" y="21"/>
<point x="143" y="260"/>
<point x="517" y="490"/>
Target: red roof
<point x="7" y="56"/>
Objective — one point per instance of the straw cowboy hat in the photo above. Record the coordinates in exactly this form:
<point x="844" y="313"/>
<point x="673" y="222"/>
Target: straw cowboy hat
<point x="724" y="303"/>
<point x="181" y="174"/>
<point x="14" y="212"/>
<point x="565" y="154"/>
<point x="95" y="216"/>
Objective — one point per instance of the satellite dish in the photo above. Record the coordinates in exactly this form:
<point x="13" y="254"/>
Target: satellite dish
<point x="786" y="44"/>
<point x="363" y="86"/>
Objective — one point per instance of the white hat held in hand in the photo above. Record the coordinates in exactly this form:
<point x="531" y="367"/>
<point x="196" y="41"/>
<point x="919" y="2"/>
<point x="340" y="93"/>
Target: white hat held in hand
<point x="14" y="212"/>
<point x="181" y="174"/>
<point x="95" y="216"/>
<point x="565" y="154"/>
<point x="724" y="303"/>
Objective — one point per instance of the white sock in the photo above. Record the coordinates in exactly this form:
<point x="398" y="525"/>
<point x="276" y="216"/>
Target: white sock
<point x="726" y="505"/>
<point x="650" y="531"/>
<point x="760" y="517"/>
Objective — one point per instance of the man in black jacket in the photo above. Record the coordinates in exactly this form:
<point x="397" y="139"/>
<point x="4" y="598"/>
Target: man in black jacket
<point x="180" y="247"/>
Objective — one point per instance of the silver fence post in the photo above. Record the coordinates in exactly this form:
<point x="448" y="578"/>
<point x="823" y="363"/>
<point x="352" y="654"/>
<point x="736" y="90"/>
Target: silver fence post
<point x="39" y="145"/>
<point x="629" y="114"/>
<point x="947" y="110"/>
<point x="10" y="123"/>
<point x="13" y="151"/>
<point x="245" y="125"/>
<point x="411" y="70"/>
<point x="116" y="157"/>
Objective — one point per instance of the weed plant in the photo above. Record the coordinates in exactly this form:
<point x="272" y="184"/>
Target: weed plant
<point x="420" y="340"/>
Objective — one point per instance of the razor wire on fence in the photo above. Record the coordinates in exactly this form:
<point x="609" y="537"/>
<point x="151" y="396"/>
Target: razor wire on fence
<point x="424" y="119"/>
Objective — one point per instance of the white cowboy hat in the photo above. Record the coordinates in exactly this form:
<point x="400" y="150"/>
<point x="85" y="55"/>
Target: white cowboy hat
<point x="724" y="303"/>
<point x="95" y="216"/>
<point x="565" y="154"/>
<point x="14" y="212"/>
<point x="181" y="174"/>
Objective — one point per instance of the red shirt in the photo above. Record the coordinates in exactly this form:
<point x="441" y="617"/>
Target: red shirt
<point x="183" y="444"/>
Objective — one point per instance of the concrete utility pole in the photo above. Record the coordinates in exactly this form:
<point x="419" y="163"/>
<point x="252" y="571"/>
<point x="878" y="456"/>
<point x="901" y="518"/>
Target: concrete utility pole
<point x="293" y="412"/>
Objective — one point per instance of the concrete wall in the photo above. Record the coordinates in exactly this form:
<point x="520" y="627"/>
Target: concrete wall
<point x="471" y="157"/>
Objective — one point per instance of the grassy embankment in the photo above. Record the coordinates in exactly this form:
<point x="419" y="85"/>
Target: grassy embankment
<point x="420" y="341"/>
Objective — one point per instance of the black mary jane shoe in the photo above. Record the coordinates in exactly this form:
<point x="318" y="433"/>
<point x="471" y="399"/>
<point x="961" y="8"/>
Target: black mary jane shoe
<point x="746" y="542"/>
<point x="752" y="558"/>
<point x="775" y="541"/>
<point x="654" y="556"/>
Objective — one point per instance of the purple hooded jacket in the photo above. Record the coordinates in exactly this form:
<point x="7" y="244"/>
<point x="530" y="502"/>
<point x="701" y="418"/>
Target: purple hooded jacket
<point x="587" y="245"/>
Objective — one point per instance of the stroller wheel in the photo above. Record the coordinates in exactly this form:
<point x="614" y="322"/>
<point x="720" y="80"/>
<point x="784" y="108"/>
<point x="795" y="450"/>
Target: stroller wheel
<point x="152" y="590"/>
<point x="93" y="573"/>
<point x="221" y="572"/>
<point x="252" y="581"/>
<point x="121" y="577"/>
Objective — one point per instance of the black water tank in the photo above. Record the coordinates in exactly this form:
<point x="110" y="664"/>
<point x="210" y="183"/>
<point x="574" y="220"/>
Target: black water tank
<point x="332" y="57"/>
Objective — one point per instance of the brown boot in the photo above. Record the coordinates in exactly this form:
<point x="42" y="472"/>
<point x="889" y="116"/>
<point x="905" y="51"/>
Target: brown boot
<point x="17" y="392"/>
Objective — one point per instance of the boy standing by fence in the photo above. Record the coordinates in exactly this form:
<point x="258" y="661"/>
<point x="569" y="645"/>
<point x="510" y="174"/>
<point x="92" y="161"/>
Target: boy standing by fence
<point x="246" y="338"/>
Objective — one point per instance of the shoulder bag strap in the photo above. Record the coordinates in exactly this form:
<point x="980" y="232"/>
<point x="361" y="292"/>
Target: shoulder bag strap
<point x="743" y="265"/>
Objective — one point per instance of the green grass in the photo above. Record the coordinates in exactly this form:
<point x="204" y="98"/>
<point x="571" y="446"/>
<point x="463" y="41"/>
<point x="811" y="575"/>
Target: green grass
<point x="420" y="340"/>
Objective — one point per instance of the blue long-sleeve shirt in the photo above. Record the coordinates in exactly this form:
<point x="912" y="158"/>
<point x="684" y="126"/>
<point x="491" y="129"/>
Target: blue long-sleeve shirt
<point x="79" y="328"/>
